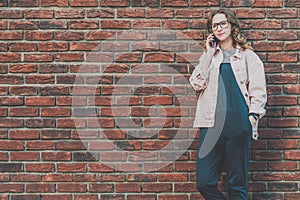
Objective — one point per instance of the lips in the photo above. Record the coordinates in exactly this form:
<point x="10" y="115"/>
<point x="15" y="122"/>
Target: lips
<point x="220" y="34"/>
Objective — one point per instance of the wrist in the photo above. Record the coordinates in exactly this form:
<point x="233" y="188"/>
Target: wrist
<point x="254" y="115"/>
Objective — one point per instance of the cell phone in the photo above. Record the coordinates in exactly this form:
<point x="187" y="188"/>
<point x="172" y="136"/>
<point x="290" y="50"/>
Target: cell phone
<point x="214" y="41"/>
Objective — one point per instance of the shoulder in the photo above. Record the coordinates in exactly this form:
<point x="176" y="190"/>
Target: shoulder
<point x="251" y="55"/>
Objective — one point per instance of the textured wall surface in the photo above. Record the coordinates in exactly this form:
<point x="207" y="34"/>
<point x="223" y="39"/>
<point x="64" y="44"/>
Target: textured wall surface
<point x="95" y="101"/>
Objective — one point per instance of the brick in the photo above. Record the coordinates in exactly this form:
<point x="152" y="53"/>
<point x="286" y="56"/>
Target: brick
<point x="26" y="178"/>
<point x="19" y="47"/>
<point x="57" y="3"/>
<point x="204" y="3"/>
<point x="40" y="101"/>
<point x="22" y="68"/>
<point x="55" y="134"/>
<point x="101" y="13"/>
<point x="41" y="188"/>
<point x="3" y="46"/>
<point x="38" y="14"/>
<point x="54" y="24"/>
<point x="282" y="166"/>
<point x="57" y="178"/>
<point x="38" y="35"/>
<point x="159" y="57"/>
<point x="7" y="188"/>
<point x="86" y="196"/>
<point x="39" y="57"/>
<point x="74" y="187"/>
<point x="291" y="3"/>
<point x="74" y="167"/>
<point x="282" y="100"/>
<point x="287" y="144"/>
<point x="291" y="111"/>
<point x="84" y="46"/>
<point x="84" y="24"/>
<point x="53" y="68"/>
<point x="100" y="188"/>
<point x="173" y="178"/>
<point x="23" y="90"/>
<point x="282" y="79"/>
<point x="53" y="46"/>
<point x="291" y="155"/>
<point x="174" y="3"/>
<point x="157" y="187"/>
<point x="100" y="35"/>
<point x="25" y="25"/>
<point x="23" y="134"/>
<point x="283" y="122"/>
<point x="115" y="24"/>
<point x="56" y="196"/>
<point x="11" y="14"/>
<point x="114" y="3"/>
<point x="88" y="3"/>
<point x="10" y="57"/>
<point x="188" y="13"/>
<point x="100" y="167"/>
<point x="236" y="3"/>
<point x="291" y="46"/>
<point x="69" y="14"/>
<point x="41" y="167"/>
<point x="145" y="24"/>
<point x="174" y="24"/>
<point x="282" y="35"/>
<point x="69" y="57"/>
<point x="25" y="197"/>
<point x="39" y="123"/>
<point x="128" y="187"/>
<point x="11" y="79"/>
<point x="11" y="167"/>
<point x="23" y="3"/>
<point x="246" y="13"/>
<point x="69" y="101"/>
<point x="267" y="46"/>
<point x="267" y="3"/>
<point x="282" y="13"/>
<point x="286" y="186"/>
<point x="23" y="112"/>
<point x="130" y="13"/>
<point x="55" y="112"/>
<point x="266" y="24"/>
<point x="71" y="145"/>
<point x="38" y="145"/>
<point x="55" y="91"/>
<point x="112" y="178"/>
<point x="278" y="57"/>
<point x="24" y="156"/>
<point x="38" y="79"/>
<point x="128" y="57"/>
<point x="294" y="24"/>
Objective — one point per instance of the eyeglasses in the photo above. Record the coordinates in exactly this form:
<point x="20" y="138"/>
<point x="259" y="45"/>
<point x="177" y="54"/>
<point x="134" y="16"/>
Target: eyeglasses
<point x="223" y="24"/>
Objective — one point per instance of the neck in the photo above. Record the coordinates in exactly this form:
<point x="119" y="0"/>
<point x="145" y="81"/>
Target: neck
<point x="226" y="44"/>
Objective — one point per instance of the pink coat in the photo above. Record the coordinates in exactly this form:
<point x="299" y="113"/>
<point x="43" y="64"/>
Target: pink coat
<point x="249" y="73"/>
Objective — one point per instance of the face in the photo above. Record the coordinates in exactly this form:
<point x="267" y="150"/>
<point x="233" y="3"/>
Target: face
<point x="224" y="33"/>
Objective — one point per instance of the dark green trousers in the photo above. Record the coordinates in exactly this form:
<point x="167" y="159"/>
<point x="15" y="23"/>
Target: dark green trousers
<point x="225" y="146"/>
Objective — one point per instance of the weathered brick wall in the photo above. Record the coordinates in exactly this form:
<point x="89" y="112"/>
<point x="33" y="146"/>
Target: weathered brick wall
<point x="95" y="100"/>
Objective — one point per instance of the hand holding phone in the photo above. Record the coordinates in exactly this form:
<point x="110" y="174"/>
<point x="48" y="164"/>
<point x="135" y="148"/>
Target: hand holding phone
<point x="213" y="42"/>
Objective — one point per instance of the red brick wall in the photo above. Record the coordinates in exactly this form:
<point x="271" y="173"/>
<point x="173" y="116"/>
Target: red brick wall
<point x="95" y="100"/>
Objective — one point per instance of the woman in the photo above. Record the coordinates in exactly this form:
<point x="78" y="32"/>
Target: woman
<point x="231" y="83"/>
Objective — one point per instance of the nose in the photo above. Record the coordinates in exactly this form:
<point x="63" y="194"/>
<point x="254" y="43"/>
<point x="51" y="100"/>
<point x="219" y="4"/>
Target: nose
<point x="219" y="25"/>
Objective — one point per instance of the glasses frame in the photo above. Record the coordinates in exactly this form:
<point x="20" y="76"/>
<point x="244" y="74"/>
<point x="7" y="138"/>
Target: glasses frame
<point x="219" y="24"/>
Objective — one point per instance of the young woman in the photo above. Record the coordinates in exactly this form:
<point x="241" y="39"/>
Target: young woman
<point x="231" y="83"/>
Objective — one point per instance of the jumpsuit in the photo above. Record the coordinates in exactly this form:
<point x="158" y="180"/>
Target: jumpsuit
<point x="231" y="150"/>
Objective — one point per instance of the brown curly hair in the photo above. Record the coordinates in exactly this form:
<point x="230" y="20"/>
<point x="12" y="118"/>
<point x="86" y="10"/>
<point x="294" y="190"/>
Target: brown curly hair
<point x="237" y="36"/>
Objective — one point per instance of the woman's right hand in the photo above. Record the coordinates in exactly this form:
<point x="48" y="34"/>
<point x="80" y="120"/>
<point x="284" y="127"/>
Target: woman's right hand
<point x="210" y="49"/>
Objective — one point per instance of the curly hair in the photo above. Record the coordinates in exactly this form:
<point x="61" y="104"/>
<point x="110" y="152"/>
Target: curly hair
<point x="237" y="36"/>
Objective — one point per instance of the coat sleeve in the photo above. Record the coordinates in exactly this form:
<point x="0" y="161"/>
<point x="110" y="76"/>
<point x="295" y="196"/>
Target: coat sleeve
<point x="257" y="84"/>
<point x="200" y="75"/>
